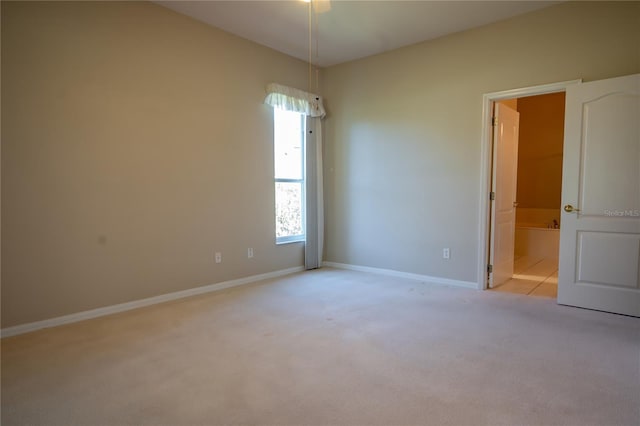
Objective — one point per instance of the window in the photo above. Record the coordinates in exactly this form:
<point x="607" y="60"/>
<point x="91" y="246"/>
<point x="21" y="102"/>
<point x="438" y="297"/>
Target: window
<point x="288" y="143"/>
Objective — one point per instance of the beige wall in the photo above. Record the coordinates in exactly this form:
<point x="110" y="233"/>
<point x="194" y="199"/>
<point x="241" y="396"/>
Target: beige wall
<point x="540" y="151"/>
<point x="404" y="129"/>
<point x="134" y="145"/>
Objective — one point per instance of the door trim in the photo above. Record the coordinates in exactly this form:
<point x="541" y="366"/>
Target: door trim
<point x="486" y="144"/>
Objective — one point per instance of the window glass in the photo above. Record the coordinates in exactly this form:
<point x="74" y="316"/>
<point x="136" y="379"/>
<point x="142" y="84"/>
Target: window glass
<point x="288" y="152"/>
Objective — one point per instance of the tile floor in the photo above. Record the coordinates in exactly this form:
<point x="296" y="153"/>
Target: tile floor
<point x="533" y="277"/>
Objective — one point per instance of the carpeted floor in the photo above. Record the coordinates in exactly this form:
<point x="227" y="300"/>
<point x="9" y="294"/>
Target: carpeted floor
<point x="331" y="347"/>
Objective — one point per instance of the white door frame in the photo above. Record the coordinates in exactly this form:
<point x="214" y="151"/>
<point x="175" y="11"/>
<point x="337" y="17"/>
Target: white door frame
<point x="485" y="162"/>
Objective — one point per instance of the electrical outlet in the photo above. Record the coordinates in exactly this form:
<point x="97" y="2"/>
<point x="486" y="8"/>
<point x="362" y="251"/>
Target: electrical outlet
<point x="446" y="254"/>
<point x="250" y="252"/>
<point x="218" y="257"/>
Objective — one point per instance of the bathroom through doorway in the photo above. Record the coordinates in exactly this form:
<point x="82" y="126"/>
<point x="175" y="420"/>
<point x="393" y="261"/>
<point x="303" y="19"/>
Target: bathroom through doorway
<point x="533" y="237"/>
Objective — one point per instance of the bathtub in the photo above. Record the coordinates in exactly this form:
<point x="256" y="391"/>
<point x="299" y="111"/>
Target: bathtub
<point x="536" y="240"/>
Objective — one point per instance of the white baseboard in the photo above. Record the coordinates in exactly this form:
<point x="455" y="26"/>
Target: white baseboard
<point x="108" y="310"/>
<point x="399" y="274"/>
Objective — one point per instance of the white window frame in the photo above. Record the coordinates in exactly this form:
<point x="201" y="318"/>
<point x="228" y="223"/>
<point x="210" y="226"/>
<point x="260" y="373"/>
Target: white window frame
<point x="300" y="237"/>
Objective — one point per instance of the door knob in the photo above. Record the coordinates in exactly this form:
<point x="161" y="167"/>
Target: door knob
<point x="570" y="209"/>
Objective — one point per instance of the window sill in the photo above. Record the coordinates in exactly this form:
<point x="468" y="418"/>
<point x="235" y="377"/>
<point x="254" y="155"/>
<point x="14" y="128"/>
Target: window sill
<point x="289" y="240"/>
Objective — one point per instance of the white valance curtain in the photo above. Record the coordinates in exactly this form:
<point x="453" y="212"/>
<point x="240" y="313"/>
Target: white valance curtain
<point x="290" y="99"/>
<point x="309" y="104"/>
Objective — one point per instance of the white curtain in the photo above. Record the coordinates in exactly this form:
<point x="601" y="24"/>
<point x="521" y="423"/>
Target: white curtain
<point x="314" y="195"/>
<point x="309" y="104"/>
<point x="290" y="99"/>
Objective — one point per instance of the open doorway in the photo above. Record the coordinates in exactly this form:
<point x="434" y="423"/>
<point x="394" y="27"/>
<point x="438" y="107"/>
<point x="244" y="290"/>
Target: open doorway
<point x="526" y="166"/>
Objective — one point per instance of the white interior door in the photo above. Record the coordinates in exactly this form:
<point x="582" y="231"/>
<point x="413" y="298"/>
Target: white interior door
<point x="504" y="180"/>
<point x="600" y="233"/>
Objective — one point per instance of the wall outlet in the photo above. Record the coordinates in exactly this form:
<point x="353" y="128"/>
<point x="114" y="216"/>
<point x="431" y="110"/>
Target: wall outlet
<point x="218" y="257"/>
<point x="250" y="252"/>
<point x="446" y="254"/>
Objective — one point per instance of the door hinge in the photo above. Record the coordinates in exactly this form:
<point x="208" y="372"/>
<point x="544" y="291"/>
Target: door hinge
<point x="494" y="121"/>
<point x="489" y="269"/>
<point x="492" y="196"/>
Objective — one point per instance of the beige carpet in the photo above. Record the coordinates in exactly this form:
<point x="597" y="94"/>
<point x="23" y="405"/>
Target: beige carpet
<point x="331" y="347"/>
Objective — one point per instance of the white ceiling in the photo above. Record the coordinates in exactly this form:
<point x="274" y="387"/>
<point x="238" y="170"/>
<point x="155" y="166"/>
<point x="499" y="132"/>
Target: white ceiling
<point x="351" y="29"/>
